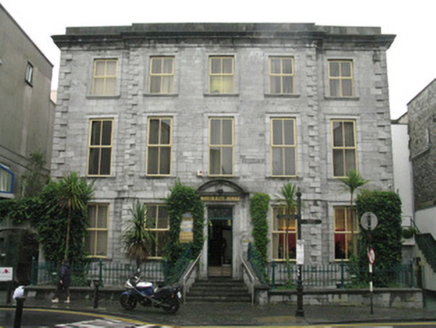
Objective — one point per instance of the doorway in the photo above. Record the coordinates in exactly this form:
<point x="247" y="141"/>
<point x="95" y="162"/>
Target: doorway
<point x="220" y="241"/>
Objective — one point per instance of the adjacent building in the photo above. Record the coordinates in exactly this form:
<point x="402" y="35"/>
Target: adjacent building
<point x="230" y="110"/>
<point x="26" y="111"/>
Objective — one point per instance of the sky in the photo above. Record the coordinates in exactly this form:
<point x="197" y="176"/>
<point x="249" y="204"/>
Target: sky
<point x="411" y="58"/>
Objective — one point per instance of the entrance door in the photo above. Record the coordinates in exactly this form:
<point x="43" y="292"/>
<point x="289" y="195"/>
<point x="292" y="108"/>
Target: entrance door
<point x="220" y="241"/>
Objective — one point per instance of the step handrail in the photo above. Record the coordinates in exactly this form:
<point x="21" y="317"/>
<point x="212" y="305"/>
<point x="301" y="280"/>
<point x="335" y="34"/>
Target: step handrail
<point x="188" y="275"/>
<point x="250" y="275"/>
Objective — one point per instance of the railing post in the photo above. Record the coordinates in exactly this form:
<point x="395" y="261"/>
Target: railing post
<point x="342" y="274"/>
<point x="33" y="269"/>
<point x="412" y="285"/>
<point x="273" y="275"/>
<point x="100" y="273"/>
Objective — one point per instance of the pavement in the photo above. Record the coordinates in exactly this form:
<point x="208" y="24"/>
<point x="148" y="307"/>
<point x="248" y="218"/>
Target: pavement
<point x="219" y="314"/>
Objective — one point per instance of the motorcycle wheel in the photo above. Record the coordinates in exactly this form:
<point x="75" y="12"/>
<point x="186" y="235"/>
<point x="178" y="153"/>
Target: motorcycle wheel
<point x="127" y="302"/>
<point x="171" y="305"/>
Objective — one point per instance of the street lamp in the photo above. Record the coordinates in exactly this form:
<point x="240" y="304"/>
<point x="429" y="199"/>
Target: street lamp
<point x="300" y="259"/>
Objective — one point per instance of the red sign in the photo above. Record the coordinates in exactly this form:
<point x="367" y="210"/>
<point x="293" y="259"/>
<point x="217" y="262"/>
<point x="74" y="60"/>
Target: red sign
<point x="371" y="256"/>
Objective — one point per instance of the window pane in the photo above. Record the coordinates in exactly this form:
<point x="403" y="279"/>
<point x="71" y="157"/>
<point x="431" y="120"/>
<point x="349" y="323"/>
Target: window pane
<point x="152" y="160"/>
<point x="227" y="160"/>
<point x="287" y="66"/>
<point x="215" y="65"/>
<point x="350" y="160"/>
<point x="277" y="161"/>
<point x="95" y="133"/>
<point x="168" y="65"/>
<point x="334" y="69"/>
<point x="165" y="160"/>
<point x="111" y="68"/>
<point x="102" y="217"/>
<point x="346" y="69"/>
<point x="340" y="219"/>
<point x="166" y="132"/>
<point x="340" y="248"/>
<point x="277" y="132"/>
<point x="335" y="88"/>
<point x="90" y="242"/>
<point x="155" y="82"/>
<point x="94" y="156"/>
<point x="337" y="134"/>
<point x="101" y="243"/>
<point x="227" y="136"/>
<point x="163" y="218"/>
<point x="161" y="240"/>
<point x="150" y="222"/>
<point x="338" y="163"/>
<point x="289" y="132"/>
<point x="275" y="65"/>
<point x="105" y="164"/>
<point x="215" y="84"/>
<point x="107" y="133"/>
<point x="290" y="161"/>
<point x="349" y="134"/>
<point x="100" y="66"/>
<point x="347" y="88"/>
<point x="288" y="84"/>
<point x="215" y="132"/>
<point x="275" y="84"/>
<point x="156" y="64"/>
<point x="227" y="84"/>
<point x="167" y="84"/>
<point x="228" y="65"/>
<point x="215" y="159"/>
<point x="92" y="213"/>
<point x="153" y="134"/>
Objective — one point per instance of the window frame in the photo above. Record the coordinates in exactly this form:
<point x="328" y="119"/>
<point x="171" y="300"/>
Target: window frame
<point x="11" y="181"/>
<point x="151" y="75"/>
<point x="343" y="148"/>
<point x="97" y="229"/>
<point x="157" y="230"/>
<point x="292" y="232"/>
<point x="281" y="75"/>
<point x="346" y="232"/>
<point x="29" y="73"/>
<point x="221" y="146"/>
<point x="283" y="146"/>
<point x="341" y="78"/>
<point x="91" y="120"/>
<point x="221" y="74"/>
<point x="105" y="77"/>
<point x="159" y="145"/>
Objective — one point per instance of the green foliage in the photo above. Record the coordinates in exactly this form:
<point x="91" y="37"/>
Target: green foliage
<point x="287" y="197"/>
<point x="386" y="238"/>
<point x="183" y="199"/>
<point x="259" y="206"/>
<point x="34" y="180"/>
<point x="137" y="239"/>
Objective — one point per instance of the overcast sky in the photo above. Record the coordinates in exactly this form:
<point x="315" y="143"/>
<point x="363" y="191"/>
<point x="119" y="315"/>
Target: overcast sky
<point x="411" y="58"/>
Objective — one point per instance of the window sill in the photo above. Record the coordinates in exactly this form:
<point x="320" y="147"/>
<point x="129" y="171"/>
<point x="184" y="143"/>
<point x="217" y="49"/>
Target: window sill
<point x="221" y="94"/>
<point x="272" y="95"/>
<point x="101" y="176"/>
<point x="273" y="177"/>
<point x="103" y="97"/>
<point x="342" y="98"/>
<point x="146" y="176"/>
<point x="160" y="95"/>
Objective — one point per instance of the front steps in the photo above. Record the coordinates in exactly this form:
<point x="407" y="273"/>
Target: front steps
<point x="218" y="289"/>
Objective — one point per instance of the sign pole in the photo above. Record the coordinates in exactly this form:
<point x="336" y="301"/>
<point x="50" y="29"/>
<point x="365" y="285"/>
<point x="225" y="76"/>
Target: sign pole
<point x="300" y="311"/>
<point x="371" y="261"/>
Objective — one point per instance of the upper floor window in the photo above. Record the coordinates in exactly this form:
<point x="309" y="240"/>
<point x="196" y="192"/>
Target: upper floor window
<point x="283" y="147"/>
<point x="6" y="180"/>
<point x="284" y="234"/>
<point x="341" y="78"/>
<point x="29" y="73"/>
<point x="221" y="146"/>
<point x="158" y="223"/>
<point x="221" y="74"/>
<point x="159" y="143"/>
<point x="162" y="75"/>
<point x="344" y="232"/>
<point x="100" y="147"/>
<point x="281" y="75"/>
<point x="344" y="147"/>
<point x="96" y="242"/>
<point x="104" y="81"/>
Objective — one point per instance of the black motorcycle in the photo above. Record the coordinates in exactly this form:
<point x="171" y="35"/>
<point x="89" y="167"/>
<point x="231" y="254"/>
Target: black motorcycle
<point x="168" y="298"/>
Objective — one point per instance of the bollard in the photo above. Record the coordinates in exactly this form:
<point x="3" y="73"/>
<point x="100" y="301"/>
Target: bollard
<point x="96" y="285"/>
<point x="19" y="311"/>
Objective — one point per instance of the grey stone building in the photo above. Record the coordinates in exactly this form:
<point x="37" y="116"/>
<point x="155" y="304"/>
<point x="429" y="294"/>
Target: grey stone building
<point x="230" y="110"/>
<point x="26" y="111"/>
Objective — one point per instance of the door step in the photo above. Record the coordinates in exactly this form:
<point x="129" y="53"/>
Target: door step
<point x="219" y="289"/>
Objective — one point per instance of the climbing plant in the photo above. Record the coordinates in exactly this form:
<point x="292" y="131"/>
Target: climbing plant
<point x="184" y="199"/>
<point x="259" y="205"/>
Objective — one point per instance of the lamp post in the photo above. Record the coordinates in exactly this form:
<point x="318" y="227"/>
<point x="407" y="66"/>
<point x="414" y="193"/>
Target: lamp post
<point x="300" y="259"/>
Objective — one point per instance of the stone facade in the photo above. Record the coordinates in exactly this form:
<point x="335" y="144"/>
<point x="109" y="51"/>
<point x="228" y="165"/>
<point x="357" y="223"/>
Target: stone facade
<point x="251" y="106"/>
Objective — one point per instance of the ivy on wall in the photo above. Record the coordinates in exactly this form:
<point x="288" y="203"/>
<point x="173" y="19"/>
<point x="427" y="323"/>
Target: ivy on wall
<point x="259" y="205"/>
<point x="183" y="199"/>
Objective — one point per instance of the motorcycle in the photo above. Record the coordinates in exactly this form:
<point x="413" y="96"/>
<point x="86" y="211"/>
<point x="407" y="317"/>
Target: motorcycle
<point x="142" y="292"/>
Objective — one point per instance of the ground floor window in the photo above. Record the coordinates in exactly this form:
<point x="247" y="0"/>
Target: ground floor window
<point x="343" y="231"/>
<point x="96" y="242"/>
<point x="158" y="223"/>
<point x="284" y="235"/>
<point x="6" y="180"/>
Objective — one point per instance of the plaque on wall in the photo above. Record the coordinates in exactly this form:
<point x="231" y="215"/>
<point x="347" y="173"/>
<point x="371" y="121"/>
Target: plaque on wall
<point x="186" y="229"/>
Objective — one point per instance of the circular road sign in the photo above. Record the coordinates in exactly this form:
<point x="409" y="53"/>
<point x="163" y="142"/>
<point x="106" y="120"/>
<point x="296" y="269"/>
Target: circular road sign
<point x="368" y="221"/>
<point x="371" y="256"/>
